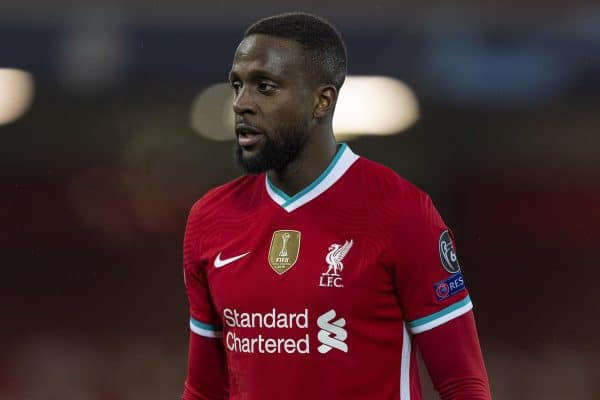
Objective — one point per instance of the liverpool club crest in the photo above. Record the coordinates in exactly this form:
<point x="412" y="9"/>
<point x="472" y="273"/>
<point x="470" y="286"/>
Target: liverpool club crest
<point x="337" y="252"/>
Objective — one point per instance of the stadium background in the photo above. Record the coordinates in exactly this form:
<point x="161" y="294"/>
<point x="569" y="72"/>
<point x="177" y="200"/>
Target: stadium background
<point x="97" y="176"/>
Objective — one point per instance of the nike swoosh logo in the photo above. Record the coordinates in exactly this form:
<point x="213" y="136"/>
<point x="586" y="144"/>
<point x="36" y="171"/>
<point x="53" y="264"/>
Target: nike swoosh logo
<point x="219" y="262"/>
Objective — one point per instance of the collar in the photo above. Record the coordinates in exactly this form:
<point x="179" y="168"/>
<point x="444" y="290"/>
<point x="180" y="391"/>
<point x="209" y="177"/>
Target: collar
<point x="341" y="162"/>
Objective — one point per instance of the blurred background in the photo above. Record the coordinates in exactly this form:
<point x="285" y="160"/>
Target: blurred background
<point x="100" y="162"/>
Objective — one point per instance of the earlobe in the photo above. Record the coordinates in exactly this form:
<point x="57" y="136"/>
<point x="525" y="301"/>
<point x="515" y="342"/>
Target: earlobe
<point x="326" y="100"/>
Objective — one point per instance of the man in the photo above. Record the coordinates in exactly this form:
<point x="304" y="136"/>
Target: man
<point x="316" y="274"/>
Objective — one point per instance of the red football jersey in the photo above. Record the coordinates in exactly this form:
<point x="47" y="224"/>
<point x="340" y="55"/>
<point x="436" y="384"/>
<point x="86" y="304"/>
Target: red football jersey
<point x="318" y="295"/>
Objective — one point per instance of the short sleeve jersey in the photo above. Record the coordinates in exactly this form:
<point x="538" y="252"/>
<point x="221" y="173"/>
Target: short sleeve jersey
<point x="318" y="295"/>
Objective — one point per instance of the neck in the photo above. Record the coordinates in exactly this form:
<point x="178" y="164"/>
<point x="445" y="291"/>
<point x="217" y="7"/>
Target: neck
<point x="312" y="160"/>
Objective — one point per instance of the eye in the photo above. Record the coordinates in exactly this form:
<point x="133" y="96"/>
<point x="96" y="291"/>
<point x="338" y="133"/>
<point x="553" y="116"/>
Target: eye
<point x="266" y="87"/>
<point x="236" y="86"/>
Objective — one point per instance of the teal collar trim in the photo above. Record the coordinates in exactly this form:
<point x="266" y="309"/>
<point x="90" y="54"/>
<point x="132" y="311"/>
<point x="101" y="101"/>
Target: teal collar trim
<point x="340" y="163"/>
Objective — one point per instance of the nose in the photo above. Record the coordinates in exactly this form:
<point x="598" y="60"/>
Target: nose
<point x="243" y="102"/>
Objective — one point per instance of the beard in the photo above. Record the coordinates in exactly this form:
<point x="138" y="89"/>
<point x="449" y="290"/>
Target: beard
<point x="276" y="154"/>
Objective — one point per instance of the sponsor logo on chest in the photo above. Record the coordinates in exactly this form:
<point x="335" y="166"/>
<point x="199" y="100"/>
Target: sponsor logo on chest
<point x="276" y="332"/>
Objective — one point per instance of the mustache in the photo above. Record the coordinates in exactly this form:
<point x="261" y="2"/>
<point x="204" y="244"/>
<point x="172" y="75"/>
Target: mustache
<point x="244" y="128"/>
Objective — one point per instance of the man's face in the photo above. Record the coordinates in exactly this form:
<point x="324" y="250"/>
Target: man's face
<point x="273" y="102"/>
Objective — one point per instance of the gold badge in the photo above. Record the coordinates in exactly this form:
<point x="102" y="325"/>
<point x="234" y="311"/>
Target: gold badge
<point x="283" y="254"/>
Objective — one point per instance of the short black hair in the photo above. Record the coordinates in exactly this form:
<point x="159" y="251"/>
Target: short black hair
<point x="319" y="38"/>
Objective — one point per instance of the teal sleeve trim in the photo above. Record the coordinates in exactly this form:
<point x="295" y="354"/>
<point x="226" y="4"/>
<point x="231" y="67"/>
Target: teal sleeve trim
<point x="440" y="314"/>
<point x="207" y="327"/>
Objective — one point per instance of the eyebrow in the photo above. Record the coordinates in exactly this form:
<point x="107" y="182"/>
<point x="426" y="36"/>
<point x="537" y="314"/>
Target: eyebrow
<point x="255" y="74"/>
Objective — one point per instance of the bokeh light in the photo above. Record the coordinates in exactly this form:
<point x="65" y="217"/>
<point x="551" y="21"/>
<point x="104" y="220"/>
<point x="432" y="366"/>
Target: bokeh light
<point x="212" y="114"/>
<point x="374" y="105"/>
<point x="16" y="94"/>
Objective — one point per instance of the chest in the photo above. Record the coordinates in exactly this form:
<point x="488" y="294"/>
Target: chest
<point x="300" y="261"/>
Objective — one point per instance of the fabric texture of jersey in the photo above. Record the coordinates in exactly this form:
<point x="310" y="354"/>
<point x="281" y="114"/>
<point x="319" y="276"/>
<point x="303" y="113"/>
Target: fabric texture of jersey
<point x="319" y="295"/>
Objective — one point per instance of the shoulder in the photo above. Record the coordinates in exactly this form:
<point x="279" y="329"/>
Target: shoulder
<point x="388" y="185"/>
<point x="224" y="196"/>
<point x="391" y="200"/>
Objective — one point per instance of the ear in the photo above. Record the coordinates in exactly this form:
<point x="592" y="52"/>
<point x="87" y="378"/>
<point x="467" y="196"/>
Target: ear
<point x="325" y="101"/>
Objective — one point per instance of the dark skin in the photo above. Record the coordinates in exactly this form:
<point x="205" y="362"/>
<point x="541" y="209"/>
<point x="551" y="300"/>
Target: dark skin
<point x="277" y="94"/>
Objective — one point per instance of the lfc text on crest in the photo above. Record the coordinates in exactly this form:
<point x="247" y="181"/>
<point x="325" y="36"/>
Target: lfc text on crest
<point x="331" y="277"/>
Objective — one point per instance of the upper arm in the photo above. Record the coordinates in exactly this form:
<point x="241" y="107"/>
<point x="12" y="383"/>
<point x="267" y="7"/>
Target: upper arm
<point x="204" y="319"/>
<point x="435" y="303"/>
<point x="207" y="366"/>
<point x="452" y="354"/>
<point x="429" y="283"/>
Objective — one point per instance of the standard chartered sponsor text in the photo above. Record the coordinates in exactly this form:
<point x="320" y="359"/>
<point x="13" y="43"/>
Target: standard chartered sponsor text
<point x="260" y="344"/>
<point x="272" y="319"/>
<point x="237" y="340"/>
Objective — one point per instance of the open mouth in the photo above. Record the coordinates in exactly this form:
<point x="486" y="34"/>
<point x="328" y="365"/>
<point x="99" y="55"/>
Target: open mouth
<point x="248" y="135"/>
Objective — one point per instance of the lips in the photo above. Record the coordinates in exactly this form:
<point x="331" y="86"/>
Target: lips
<point x="248" y="135"/>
